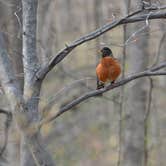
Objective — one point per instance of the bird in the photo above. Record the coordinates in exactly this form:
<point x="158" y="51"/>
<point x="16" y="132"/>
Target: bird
<point x="108" y="69"/>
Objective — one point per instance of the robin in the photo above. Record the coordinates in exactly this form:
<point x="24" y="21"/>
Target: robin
<point x="108" y="69"/>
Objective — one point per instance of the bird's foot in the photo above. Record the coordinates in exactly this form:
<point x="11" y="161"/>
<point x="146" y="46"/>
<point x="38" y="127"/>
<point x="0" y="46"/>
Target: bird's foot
<point x="100" y="86"/>
<point x="112" y="82"/>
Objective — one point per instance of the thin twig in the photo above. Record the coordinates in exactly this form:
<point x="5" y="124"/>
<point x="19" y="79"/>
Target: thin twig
<point x="140" y="29"/>
<point x="109" y="42"/>
<point x="18" y="19"/>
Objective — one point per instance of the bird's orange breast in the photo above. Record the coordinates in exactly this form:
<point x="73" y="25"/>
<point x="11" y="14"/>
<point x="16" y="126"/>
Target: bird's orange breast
<point x="108" y="69"/>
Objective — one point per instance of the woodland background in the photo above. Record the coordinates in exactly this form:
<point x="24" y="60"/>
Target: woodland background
<point x="90" y="133"/>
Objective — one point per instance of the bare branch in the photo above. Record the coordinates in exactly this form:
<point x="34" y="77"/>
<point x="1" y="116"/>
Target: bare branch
<point x="6" y="129"/>
<point x="30" y="60"/>
<point x="159" y="67"/>
<point x="140" y="29"/>
<point x="159" y="49"/>
<point x="127" y="19"/>
<point x="53" y="100"/>
<point x="149" y="72"/>
<point x="19" y="21"/>
<point x="2" y="111"/>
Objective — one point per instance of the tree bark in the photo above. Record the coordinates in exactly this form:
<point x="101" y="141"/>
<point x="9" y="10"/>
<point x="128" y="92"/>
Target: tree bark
<point x="47" y="33"/>
<point x="22" y="112"/>
<point x="31" y="139"/>
<point x="97" y="20"/>
<point x="126" y="9"/>
<point x="10" y="27"/>
<point x="33" y="152"/>
<point x="133" y="144"/>
<point x="25" y="108"/>
<point x="15" y="53"/>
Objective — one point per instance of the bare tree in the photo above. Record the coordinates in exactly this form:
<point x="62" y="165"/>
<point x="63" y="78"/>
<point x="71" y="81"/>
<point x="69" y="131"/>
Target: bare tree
<point x="24" y="103"/>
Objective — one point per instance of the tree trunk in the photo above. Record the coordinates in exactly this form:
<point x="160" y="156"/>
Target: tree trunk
<point x="15" y="51"/>
<point x="22" y="110"/>
<point x="133" y="147"/>
<point x="47" y="34"/>
<point x="33" y="152"/>
<point x="25" y="105"/>
<point x="32" y="147"/>
<point x="126" y="8"/>
<point x="97" y="19"/>
<point x="12" y="30"/>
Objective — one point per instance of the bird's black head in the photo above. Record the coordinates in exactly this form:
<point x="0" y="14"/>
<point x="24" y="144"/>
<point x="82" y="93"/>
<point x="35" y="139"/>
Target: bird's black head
<point x="106" y="52"/>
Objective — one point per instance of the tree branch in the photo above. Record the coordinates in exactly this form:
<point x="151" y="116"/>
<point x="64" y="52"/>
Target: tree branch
<point x="150" y="72"/>
<point x="6" y="129"/>
<point x="8" y="80"/>
<point x="2" y="111"/>
<point x="131" y="18"/>
<point x="30" y="60"/>
<point x="82" y="82"/>
<point x="159" y="50"/>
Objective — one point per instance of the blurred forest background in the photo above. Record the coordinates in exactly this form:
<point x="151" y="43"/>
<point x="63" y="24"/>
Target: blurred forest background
<point x="94" y="132"/>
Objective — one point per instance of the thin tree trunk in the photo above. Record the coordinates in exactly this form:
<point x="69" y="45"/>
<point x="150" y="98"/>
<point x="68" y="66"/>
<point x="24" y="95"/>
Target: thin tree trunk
<point x="97" y="19"/>
<point x="15" y="39"/>
<point x="133" y="148"/>
<point x="46" y="31"/>
<point x="122" y="92"/>
<point x="133" y="145"/>
<point x="15" y="51"/>
<point x="11" y="29"/>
